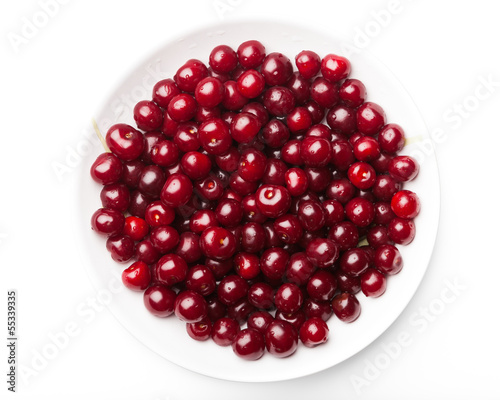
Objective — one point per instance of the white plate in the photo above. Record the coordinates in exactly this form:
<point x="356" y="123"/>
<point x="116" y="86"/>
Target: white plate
<point x="168" y="337"/>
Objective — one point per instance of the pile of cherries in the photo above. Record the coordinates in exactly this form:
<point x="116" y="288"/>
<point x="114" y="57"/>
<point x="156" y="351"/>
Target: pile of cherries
<point x="243" y="195"/>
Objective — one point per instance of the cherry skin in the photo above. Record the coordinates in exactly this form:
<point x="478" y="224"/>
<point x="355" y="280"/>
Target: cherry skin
<point x="360" y="211"/>
<point x="146" y="252"/>
<point x="342" y="154"/>
<point x="354" y="262"/>
<point x="151" y="181"/>
<point x="321" y="286"/>
<point x="362" y="175"/>
<point x="147" y="115"/>
<point x="405" y="204"/>
<point x="344" y="234"/>
<point x="201" y="220"/>
<point x="383" y="213"/>
<point x="231" y="289"/>
<point x="370" y="118"/>
<point x="388" y="260"/>
<point x="171" y="269"/>
<point x="347" y="283"/>
<point x="313" y="332"/>
<point x="182" y="107"/>
<point x="346" y="307"/>
<point x="401" y="231"/>
<point x="322" y="252"/>
<point x="252" y="165"/>
<point x="403" y="168"/>
<point x="251" y="54"/>
<point x="137" y="277"/>
<point x="190" y="306"/>
<point x="366" y="149"/>
<point x="308" y="63"/>
<point x="209" y="92"/>
<point x="253" y="237"/>
<point x="107" y="221"/>
<point x="251" y="83"/>
<point x="106" y="169"/>
<point x="278" y="100"/>
<point x="275" y="172"/>
<point x="199" y="331"/>
<point x="300" y="88"/>
<point x="121" y="247"/>
<point x="158" y="214"/>
<point x="260" y="320"/>
<point x="334" y="68"/>
<point x="391" y="138"/>
<point x="224" y="331"/>
<point x="288" y="298"/>
<point x="125" y="142"/>
<point x="188" y="76"/>
<point x="316" y="152"/>
<point x="352" y="92"/>
<point x="333" y="212"/>
<point x="186" y="137"/>
<point x="377" y="236"/>
<point x="296" y="181"/>
<point x="131" y="173"/>
<point x="317" y="309"/>
<point x="223" y="59"/>
<point x="373" y="283"/>
<point x="311" y="215"/>
<point x="188" y="247"/>
<point x="276" y="69"/>
<point x="385" y="187"/>
<point x="273" y="262"/>
<point x="177" y="190"/>
<point x="281" y="339"/>
<point x="342" y="119"/>
<point x="159" y="300"/>
<point x="249" y="344"/>
<point x="217" y="243"/>
<point x="214" y="136"/>
<point x="164" y="91"/>
<point x="272" y="200"/>
<point x="201" y="280"/>
<point x="135" y="228"/>
<point x="288" y="228"/>
<point x="299" y="269"/>
<point x="165" y="153"/>
<point x="317" y="112"/>
<point x="115" y="196"/>
<point x="246" y="265"/>
<point x="325" y="93"/>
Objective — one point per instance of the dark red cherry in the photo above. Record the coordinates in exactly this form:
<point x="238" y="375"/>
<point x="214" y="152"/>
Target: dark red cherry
<point x="199" y="330"/>
<point x="190" y="306"/>
<point x="159" y="300"/>
<point x="322" y="286"/>
<point x="325" y="93"/>
<point x="147" y="115"/>
<point x="405" y="204"/>
<point x="273" y="262"/>
<point x="249" y="344"/>
<point x="253" y="237"/>
<point x="137" y="277"/>
<point x="107" y="221"/>
<point x="171" y="269"/>
<point x="360" y="211"/>
<point x="115" y="196"/>
<point x="188" y="76"/>
<point x="313" y="332"/>
<point x="272" y="200"/>
<point x="370" y="118"/>
<point x="388" y="260"/>
<point x="251" y="54"/>
<point x="217" y="243"/>
<point x="106" y="169"/>
<point x="224" y="331"/>
<point x="322" y="252"/>
<point x="214" y="136"/>
<point x="391" y="138"/>
<point x="164" y="91"/>
<point x="223" y="59"/>
<point x="342" y="119"/>
<point x="401" y="231"/>
<point x="288" y="298"/>
<point x="403" y="168"/>
<point x="334" y="68"/>
<point x="177" y="190"/>
<point x="121" y="247"/>
<point x="276" y="69"/>
<point x="345" y="234"/>
<point x="352" y="92"/>
<point x="373" y="283"/>
<point x="281" y="339"/>
<point x="346" y="307"/>
<point x="125" y="142"/>
<point x="354" y="261"/>
<point x="278" y="100"/>
<point x="231" y="289"/>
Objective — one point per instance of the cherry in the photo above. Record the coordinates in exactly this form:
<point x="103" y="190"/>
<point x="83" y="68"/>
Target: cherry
<point x="333" y="212"/>
<point x="131" y="173"/>
<point x="135" y="228"/>
<point x="106" y="169"/>
<point x="253" y="237"/>
<point x="274" y="173"/>
<point x="313" y="332"/>
<point x="377" y="236"/>
<point x="278" y="100"/>
<point x="251" y="83"/>
<point x="315" y="152"/>
<point x="322" y="252"/>
<point x="366" y="149"/>
<point x="403" y="168"/>
<point x="115" y="196"/>
<point x="362" y="175"/>
<point x="346" y="307"/>
<point x="188" y="76"/>
<point x="223" y="59"/>
<point x="240" y="310"/>
<point x="276" y="69"/>
<point x="360" y="211"/>
<point x="317" y="112"/>
<point x="373" y="283"/>
<point x="159" y="300"/>
<point x="342" y="119"/>
<point x="224" y="331"/>
<point x="334" y="68"/>
<point x="199" y="330"/>
<point x="231" y="289"/>
<point x="273" y="262"/>
<point x="299" y="269"/>
<point x="344" y="234"/>
<point x="370" y="118"/>
<point x="296" y="319"/>
<point x="321" y="286"/>
<point x="290" y="153"/>
<point x="308" y="63"/>
<point x="137" y="277"/>
<point x="182" y="107"/>
<point x="190" y="306"/>
<point x="177" y="190"/>
<point x="138" y="204"/>
<point x="246" y="265"/>
<point x="214" y="136"/>
<point x="405" y="204"/>
<point x="258" y="110"/>
<point x="147" y="115"/>
<point x="186" y="137"/>
<point x="391" y="138"/>
<point x="296" y="181"/>
<point x="260" y="320"/>
<point x="383" y="213"/>
<point x="347" y="283"/>
<point x="125" y="142"/>
<point x="299" y="120"/>
<point x="249" y="344"/>
<point x="233" y="99"/>
<point x="401" y="231"/>
<point x="354" y="261"/>
<point x="107" y="221"/>
<point x="288" y="228"/>
<point x="151" y="181"/>
<point x="121" y="247"/>
<point x="352" y="92"/>
<point x="164" y="91"/>
<point x="325" y="93"/>
<point x="388" y="260"/>
<point x="252" y="165"/>
<point x="342" y="154"/>
<point x="205" y="113"/>
<point x="251" y="54"/>
<point x="317" y="309"/>
<point x="209" y="92"/>
<point x="217" y="243"/>
<point x="300" y="88"/>
<point x="341" y="190"/>
<point x="281" y="339"/>
<point x="288" y="298"/>
<point x="146" y="252"/>
<point x="311" y="215"/>
<point x="272" y="200"/>
<point x="158" y="214"/>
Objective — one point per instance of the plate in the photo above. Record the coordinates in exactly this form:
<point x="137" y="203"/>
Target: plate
<point x="168" y="337"/>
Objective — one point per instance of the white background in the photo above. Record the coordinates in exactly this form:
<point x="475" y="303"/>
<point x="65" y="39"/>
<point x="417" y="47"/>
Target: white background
<point x="50" y="86"/>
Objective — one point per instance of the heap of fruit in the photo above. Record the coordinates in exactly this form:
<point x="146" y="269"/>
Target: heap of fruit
<point x="244" y="193"/>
